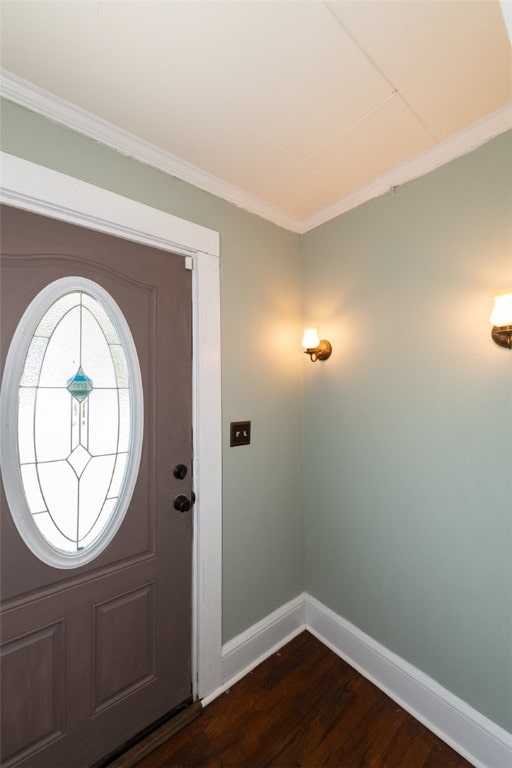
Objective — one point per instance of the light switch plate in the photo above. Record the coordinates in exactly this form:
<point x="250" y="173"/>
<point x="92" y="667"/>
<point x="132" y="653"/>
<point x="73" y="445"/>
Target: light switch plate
<point x="240" y="433"/>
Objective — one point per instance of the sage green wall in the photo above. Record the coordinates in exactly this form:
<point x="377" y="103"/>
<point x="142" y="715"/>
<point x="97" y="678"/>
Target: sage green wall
<point x="408" y="427"/>
<point x="261" y="366"/>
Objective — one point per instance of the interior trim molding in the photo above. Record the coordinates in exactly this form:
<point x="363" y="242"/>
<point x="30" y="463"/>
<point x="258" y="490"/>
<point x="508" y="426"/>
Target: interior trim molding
<point x="262" y="639"/>
<point x="65" y="113"/>
<point x="470" y="733"/>
<point x="244" y="652"/>
<point x="41" y="190"/>
<point x="28" y="95"/>
<point x="474" y="736"/>
<point x="444" y="152"/>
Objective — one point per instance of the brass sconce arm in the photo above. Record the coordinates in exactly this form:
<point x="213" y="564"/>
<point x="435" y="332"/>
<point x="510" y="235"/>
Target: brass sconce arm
<point x="321" y="352"/>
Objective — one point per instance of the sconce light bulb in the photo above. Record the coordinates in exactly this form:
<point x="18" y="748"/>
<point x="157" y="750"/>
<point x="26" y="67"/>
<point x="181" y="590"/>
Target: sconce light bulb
<point x="501" y="319"/>
<point x="311" y="339"/>
<point x="502" y="312"/>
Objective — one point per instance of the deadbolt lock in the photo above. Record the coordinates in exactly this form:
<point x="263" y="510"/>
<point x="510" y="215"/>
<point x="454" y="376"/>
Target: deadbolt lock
<point x="180" y="471"/>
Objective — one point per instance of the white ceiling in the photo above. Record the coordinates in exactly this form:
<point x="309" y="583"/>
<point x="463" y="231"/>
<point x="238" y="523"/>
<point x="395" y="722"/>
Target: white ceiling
<point x="289" y="108"/>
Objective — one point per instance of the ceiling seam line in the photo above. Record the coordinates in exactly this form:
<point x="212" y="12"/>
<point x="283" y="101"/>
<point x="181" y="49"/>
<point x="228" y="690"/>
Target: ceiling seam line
<point x="276" y="144"/>
<point x="360" y="48"/>
<point x="352" y="126"/>
<point x="196" y="138"/>
<point x="418" y="118"/>
<point x="381" y="72"/>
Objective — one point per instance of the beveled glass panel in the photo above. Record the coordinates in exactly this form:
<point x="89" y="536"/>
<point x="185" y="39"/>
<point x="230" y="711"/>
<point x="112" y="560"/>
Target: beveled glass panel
<point x="78" y="459"/>
<point x="62" y="356"/>
<point x="30" y="377"/>
<point x="103" y="421"/>
<point x="102" y="318"/>
<point x="26" y="410"/>
<point x="77" y="419"/>
<point x="102" y="520"/>
<point x="52" y="534"/>
<point x="52" y="424"/>
<point x="56" y="312"/>
<point x="96" y="354"/>
<point x="124" y="420"/>
<point x="120" y="366"/>
<point x="118" y="476"/>
<point x="32" y="488"/>
<point x="59" y="486"/>
<point x="94" y="486"/>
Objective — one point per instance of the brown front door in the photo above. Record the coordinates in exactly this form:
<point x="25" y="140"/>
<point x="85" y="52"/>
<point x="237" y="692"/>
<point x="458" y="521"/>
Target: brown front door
<point x="93" y="654"/>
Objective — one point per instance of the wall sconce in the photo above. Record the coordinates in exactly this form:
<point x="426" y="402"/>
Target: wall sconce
<point x="314" y="347"/>
<point x="501" y="319"/>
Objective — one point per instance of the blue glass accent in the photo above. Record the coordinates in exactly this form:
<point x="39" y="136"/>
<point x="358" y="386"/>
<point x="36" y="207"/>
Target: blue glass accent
<point x="80" y="385"/>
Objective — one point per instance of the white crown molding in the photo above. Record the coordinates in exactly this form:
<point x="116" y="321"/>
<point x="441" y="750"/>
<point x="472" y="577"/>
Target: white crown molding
<point x="63" y="112"/>
<point x="459" y="144"/>
<point x="24" y="93"/>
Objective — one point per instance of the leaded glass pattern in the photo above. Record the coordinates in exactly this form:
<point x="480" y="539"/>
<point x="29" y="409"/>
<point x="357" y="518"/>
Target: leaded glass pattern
<point x="74" y="422"/>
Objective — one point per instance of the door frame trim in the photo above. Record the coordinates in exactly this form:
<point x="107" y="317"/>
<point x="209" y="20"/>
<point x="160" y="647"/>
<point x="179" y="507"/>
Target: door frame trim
<point x="50" y="193"/>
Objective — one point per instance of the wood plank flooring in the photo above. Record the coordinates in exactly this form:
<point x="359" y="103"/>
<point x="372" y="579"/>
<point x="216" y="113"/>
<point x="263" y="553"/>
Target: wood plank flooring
<point x="304" y="706"/>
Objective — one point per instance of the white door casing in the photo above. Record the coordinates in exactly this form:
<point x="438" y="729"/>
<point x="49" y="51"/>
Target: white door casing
<point x="41" y="190"/>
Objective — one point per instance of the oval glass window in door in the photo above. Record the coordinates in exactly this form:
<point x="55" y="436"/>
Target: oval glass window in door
<point x="72" y="415"/>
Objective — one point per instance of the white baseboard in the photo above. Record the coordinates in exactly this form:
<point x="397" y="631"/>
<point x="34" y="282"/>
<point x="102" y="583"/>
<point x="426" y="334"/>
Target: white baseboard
<point x="474" y="736"/>
<point x="246" y="651"/>
<point x="249" y="649"/>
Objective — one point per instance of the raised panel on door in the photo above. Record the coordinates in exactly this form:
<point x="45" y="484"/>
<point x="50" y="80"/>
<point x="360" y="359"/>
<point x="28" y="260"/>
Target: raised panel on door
<point x="37" y="716"/>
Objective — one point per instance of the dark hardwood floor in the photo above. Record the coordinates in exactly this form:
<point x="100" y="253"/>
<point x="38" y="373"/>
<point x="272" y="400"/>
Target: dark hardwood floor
<point x="304" y="706"/>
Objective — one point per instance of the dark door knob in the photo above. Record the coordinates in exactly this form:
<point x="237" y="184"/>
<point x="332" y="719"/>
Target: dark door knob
<point x="181" y="503"/>
<point x="180" y="471"/>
